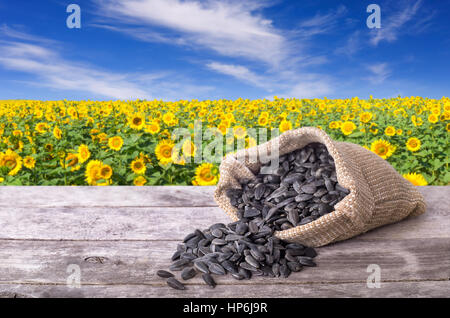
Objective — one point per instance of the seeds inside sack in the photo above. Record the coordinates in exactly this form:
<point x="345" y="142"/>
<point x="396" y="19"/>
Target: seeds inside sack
<point x="302" y="189"/>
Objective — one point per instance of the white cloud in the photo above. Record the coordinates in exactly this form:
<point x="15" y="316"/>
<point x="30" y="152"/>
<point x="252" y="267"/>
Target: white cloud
<point x="352" y="45"/>
<point x="231" y="28"/>
<point x="312" y="87"/>
<point x="240" y="72"/>
<point x="321" y="23"/>
<point x="392" y="26"/>
<point x="380" y="72"/>
<point x="50" y="69"/>
<point x="54" y="72"/>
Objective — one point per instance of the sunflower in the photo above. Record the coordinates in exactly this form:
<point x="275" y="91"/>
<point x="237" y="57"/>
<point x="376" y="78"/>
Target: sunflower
<point x="137" y="121"/>
<point x="72" y="161"/>
<point x="373" y="128"/>
<point x="447" y="127"/>
<point x="153" y="128"/>
<point x="139" y="181"/>
<point x="169" y="118"/>
<point x="365" y="117"/>
<point x="115" y="143"/>
<point x="72" y="111"/>
<point x="399" y="132"/>
<point x="285" y="125"/>
<point x="413" y="144"/>
<point x="348" y="127"/>
<point x="83" y="153"/>
<point x="102" y="138"/>
<point x="417" y="121"/>
<point x="48" y="147"/>
<point x="389" y="131"/>
<point x="41" y="128"/>
<point x="12" y="161"/>
<point x="206" y="174"/>
<point x="106" y="172"/>
<point x="239" y="132"/>
<point x="138" y="166"/>
<point x="165" y="134"/>
<point x="93" y="170"/>
<point x="432" y="118"/>
<point x="416" y="179"/>
<point x="223" y="127"/>
<point x="163" y="151"/>
<point x="382" y="148"/>
<point x="17" y="133"/>
<point x="189" y="149"/>
<point x="263" y="119"/>
<point x="29" y="162"/>
<point x="57" y="132"/>
<point x="333" y="125"/>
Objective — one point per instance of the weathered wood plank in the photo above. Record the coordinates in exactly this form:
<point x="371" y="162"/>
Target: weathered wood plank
<point x="173" y="223"/>
<point x="77" y="223"/>
<point x="386" y="290"/>
<point x="153" y="196"/>
<point x="126" y="196"/>
<point x="119" y="236"/>
<point x="121" y="262"/>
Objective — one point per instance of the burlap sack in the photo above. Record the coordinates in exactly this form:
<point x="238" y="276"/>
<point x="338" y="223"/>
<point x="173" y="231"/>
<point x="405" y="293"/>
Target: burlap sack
<point x="378" y="194"/>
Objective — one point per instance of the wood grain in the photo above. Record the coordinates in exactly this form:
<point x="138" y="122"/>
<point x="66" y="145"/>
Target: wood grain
<point x="173" y="223"/>
<point x="281" y="290"/>
<point x="137" y="262"/>
<point x="118" y="196"/>
<point x="120" y="236"/>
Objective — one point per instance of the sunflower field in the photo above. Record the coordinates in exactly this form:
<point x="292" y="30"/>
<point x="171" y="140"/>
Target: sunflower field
<point x="131" y="142"/>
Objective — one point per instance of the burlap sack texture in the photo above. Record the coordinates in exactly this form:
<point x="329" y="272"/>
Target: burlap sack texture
<point x="378" y="194"/>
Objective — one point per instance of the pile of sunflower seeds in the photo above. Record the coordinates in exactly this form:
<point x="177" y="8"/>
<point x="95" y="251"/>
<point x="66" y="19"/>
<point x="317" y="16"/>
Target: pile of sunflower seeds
<point x="302" y="189"/>
<point x="239" y="249"/>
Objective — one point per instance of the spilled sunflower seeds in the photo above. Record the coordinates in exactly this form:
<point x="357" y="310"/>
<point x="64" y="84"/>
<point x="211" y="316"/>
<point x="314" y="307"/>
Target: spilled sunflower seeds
<point x="301" y="190"/>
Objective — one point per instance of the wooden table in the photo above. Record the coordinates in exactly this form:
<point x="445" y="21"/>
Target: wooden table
<point x="119" y="236"/>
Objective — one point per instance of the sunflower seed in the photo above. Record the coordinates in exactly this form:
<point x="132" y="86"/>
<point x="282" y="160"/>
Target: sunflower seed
<point x="216" y="269"/>
<point x="176" y="255"/>
<point x="308" y="188"/>
<point x="247" y="266"/>
<point x="175" y="284"/>
<point x="188" y="273"/>
<point x="209" y="280"/>
<point x="201" y="267"/>
<point x="259" y="191"/>
<point x="188" y="237"/>
<point x="303" y="197"/>
<point x="217" y="233"/>
<point x="251" y="212"/>
<point x="306" y="261"/>
<point x="294" y="266"/>
<point x="218" y="241"/>
<point x="252" y="261"/>
<point x="230" y="267"/>
<point x="285" y="271"/>
<point x="310" y="252"/>
<point x="164" y="274"/>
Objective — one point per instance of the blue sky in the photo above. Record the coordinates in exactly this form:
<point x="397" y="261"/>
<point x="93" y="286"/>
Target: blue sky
<point x="185" y="49"/>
